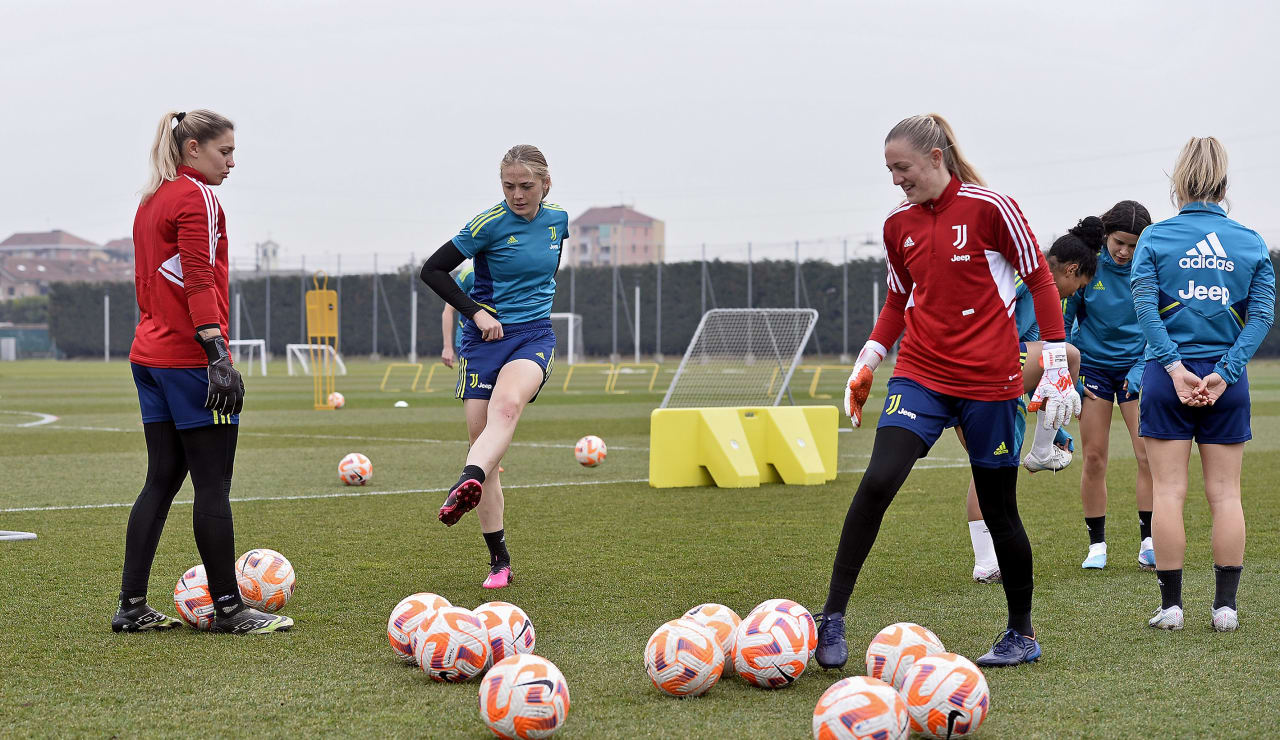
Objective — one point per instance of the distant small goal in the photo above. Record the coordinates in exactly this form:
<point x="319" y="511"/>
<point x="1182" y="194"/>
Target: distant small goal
<point x="741" y="357"/>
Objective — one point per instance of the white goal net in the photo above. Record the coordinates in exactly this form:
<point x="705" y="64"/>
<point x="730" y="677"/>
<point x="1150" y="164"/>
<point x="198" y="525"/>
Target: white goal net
<point x="568" y="329"/>
<point x="741" y="357"/>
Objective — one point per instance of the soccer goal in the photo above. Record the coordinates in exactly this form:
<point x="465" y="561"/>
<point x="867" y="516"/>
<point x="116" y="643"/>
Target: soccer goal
<point x="299" y="352"/>
<point x="741" y="357"/>
<point x="568" y="328"/>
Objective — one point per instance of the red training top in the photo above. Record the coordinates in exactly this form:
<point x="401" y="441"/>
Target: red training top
<point x="180" y="271"/>
<point x="951" y="265"/>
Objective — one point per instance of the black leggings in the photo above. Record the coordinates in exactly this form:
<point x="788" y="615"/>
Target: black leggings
<point x="208" y="453"/>
<point x="892" y="457"/>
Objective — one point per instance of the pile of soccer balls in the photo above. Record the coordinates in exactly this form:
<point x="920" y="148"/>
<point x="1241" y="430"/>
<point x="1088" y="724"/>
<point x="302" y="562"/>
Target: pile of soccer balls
<point x="912" y="685"/>
<point x="521" y="694"/>
<point x="769" y="648"/>
<point x="265" y="577"/>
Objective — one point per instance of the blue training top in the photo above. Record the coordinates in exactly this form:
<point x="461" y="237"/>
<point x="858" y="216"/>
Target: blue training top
<point x="1024" y="312"/>
<point x="465" y="278"/>
<point x="1108" y="335"/>
<point x="1203" y="288"/>
<point x="515" y="260"/>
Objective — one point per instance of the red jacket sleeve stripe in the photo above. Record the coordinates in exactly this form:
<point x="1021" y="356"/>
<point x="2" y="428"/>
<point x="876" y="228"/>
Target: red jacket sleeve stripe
<point x="1014" y="222"/>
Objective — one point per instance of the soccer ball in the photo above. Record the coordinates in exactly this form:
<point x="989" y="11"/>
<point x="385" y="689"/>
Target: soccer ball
<point x="896" y="647"/>
<point x="410" y="615"/>
<point x="861" y="708"/>
<point x="266" y="579"/>
<point x="946" y="696"/>
<point x="337" y="400"/>
<point x="794" y="609"/>
<point x="510" y="630"/>
<point x="590" y="451"/>
<point x="355" y="469"/>
<point x="453" y="647"/>
<point x="192" y="599"/>
<point x="771" y="648"/>
<point x="684" y="658"/>
<point x="524" y="696"/>
<point x="721" y="620"/>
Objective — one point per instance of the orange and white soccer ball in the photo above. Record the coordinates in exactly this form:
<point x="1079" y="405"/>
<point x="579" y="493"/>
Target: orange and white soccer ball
<point x="590" y="451"/>
<point x="683" y="658"/>
<point x="192" y="599"/>
<point x="794" y="609"/>
<point x="510" y="630"/>
<point x="409" y="616"/>
<point x="266" y="579"/>
<point x="337" y="400"/>
<point x="721" y="620"/>
<point x="524" y="696"/>
<point x="453" y="646"/>
<point x="861" y="708"/>
<point x="355" y="469"/>
<point x="896" y="648"/>
<point x="771" y="648"/>
<point x="946" y="695"/>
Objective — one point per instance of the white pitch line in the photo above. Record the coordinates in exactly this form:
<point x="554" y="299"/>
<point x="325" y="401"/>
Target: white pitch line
<point x="40" y="421"/>
<point x="362" y="494"/>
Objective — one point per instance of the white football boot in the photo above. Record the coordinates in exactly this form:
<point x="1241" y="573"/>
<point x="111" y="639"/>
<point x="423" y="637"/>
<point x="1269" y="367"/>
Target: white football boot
<point x="1056" y="459"/>
<point x="1097" y="557"/>
<point x="1146" y="555"/>
<point x="1167" y="619"/>
<point x="986" y="572"/>
<point x="1225" y="619"/>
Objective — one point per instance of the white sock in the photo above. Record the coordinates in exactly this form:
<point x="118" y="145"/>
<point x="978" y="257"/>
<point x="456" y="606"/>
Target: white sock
<point x="984" y="550"/>
<point x="1042" y="443"/>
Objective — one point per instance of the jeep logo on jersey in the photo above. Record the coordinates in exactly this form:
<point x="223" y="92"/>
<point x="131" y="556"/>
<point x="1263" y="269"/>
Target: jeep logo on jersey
<point x="1201" y="292"/>
<point x="962" y="236"/>
<point x="1207" y="254"/>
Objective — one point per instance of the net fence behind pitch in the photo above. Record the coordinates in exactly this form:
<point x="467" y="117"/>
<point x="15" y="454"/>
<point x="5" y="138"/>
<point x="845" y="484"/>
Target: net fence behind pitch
<point x="741" y="357"/>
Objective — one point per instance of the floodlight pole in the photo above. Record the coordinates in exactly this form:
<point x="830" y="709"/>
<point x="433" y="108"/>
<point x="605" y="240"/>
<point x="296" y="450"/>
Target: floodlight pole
<point x="797" y="273"/>
<point x="637" y="331"/>
<point x="374" y="355"/>
<point x="413" y="312"/>
<point x="657" y="304"/>
<point x="106" y="327"/>
<point x="748" y="274"/>
<point x="844" y="306"/>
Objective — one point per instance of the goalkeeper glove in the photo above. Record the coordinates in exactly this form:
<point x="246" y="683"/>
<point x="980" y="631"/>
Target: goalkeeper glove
<point x="859" y="385"/>
<point x="1056" y="392"/>
<point x="226" y="388"/>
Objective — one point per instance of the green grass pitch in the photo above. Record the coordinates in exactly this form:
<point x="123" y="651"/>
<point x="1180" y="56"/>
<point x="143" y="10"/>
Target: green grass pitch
<point x="601" y="560"/>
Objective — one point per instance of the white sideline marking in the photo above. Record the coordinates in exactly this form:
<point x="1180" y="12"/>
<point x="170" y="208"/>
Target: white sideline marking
<point x="43" y="418"/>
<point x="361" y="494"/>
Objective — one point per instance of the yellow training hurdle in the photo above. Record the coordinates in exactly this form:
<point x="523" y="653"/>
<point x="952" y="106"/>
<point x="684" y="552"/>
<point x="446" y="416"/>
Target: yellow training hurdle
<point x="611" y="386"/>
<point x="426" y="385"/>
<point x="608" y="380"/>
<point x="385" y="376"/>
<point x="817" y="375"/>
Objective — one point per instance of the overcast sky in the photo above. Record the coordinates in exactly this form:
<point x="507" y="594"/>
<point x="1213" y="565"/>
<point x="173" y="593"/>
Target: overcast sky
<point x="377" y="127"/>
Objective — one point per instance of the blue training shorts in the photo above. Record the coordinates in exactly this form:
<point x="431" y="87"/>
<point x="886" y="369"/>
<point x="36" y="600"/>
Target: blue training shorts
<point x="480" y="362"/>
<point x="1106" y="383"/>
<point x="988" y="426"/>
<point x="176" y="394"/>
<point x="1162" y="416"/>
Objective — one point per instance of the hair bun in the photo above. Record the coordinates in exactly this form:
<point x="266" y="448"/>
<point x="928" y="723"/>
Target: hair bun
<point x="1089" y="230"/>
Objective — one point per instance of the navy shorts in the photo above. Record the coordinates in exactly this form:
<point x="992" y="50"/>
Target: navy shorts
<point x="480" y="361"/>
<point x="176" y="394"/>
<point x="989" y="427"/>
<point x="1106" y="383"/>
<point x="1162" y="416"/>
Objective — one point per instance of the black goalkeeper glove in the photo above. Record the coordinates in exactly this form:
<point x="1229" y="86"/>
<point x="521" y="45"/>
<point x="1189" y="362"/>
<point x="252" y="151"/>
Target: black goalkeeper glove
<point x="226" y="388"/>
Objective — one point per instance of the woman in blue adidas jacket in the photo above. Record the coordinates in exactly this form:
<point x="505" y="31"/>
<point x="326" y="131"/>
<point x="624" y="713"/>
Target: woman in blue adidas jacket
<point x="1111" y="348"/>
<point x="1204" y="291"/>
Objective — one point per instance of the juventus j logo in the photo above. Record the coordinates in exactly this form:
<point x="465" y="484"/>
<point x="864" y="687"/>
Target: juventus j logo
<point x="962" y="236"/>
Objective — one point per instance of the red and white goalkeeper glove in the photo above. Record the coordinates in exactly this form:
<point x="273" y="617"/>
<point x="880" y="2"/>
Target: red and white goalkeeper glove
<point x="859" y="385"/>
<point x="1056" y="393"/>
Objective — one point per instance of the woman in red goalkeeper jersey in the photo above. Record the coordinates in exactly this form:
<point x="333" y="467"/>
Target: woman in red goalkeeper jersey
<point x="189" y="391"/>
<point x="953" y="249"/>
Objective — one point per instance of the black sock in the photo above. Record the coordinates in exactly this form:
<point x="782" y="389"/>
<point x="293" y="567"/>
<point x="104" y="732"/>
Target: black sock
<point x="1144" y="524"/>
<point x="892" y="455"/>
<point x="497" y="543"/>
<point x="211" y="452"/>
<point x="1226" y="580"/>
<point x="998" y="498"/>
<point x="1170" y="587"/>
<point x="1097" y="526"/>
<point x="227" y="604"/>
<point x="132" y="601"/>
<point x="471" y="471"/>
<point x="166" y="470"/>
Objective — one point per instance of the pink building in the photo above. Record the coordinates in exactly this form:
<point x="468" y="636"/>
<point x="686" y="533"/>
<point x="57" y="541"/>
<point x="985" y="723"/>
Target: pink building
<point x="601" y="235"/>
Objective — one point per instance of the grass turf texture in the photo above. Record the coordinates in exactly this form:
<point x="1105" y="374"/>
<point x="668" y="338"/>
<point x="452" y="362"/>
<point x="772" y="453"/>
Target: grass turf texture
<point x="600" y="561"/>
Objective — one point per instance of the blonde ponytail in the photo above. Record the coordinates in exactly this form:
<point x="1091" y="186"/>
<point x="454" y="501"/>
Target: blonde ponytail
<point x="176" y="128"/>
<point x="1200" y="175"/>
<point x="928" y="132"/>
